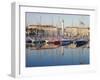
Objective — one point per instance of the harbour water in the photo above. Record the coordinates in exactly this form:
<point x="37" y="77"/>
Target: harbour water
<point x="57" y="56"/>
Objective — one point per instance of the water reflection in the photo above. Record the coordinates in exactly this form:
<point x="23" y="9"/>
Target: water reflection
<point x="57" y="56"/>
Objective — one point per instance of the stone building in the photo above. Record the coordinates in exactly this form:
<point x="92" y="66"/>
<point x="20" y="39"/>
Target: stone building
<point x="50" y="30"/>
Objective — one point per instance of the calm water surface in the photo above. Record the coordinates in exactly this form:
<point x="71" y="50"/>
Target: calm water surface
<point x="58" y="56"/>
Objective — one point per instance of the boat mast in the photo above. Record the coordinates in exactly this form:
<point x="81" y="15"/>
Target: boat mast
<point x="52" y="26"/>
<point x="62" y="25"/>
<point x="40" y="27"/>
<point x="71" y="34"/>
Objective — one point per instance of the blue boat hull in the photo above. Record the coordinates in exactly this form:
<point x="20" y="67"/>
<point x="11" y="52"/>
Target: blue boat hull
<point x="80" y="43"/>
<point x="65" y="43"/>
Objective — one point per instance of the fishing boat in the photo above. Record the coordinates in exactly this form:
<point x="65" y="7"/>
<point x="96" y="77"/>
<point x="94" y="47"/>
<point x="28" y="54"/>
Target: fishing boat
<point x="39" y="43"/>
<point x="53" y="41"/>
<point x="57" y="42"/>
<point x="81" y="42"/>
<point x="65" y="42"/>
<point x="29" y="42"/>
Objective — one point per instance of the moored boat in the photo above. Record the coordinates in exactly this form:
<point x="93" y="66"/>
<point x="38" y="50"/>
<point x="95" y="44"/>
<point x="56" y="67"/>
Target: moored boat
<point x="39" y="43"/>
<point x="57" y="42"/>
<point x="29" y="42"/>
<point x="65" y="42"/>
<point x="81" y="42"/>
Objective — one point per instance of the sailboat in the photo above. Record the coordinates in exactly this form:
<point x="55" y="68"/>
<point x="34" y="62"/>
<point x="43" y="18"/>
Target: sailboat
<point x="54" y="40"/>
<point x="81" y="41"/>
<point x="39" y="42"/>
<point x="64" y="41"/>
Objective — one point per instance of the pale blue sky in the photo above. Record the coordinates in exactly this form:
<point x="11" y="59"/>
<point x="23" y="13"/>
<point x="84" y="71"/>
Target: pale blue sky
<point x="55" y="19"/>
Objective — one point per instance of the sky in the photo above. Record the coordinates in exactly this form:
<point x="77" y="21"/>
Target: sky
<point x="56" y="19"/>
